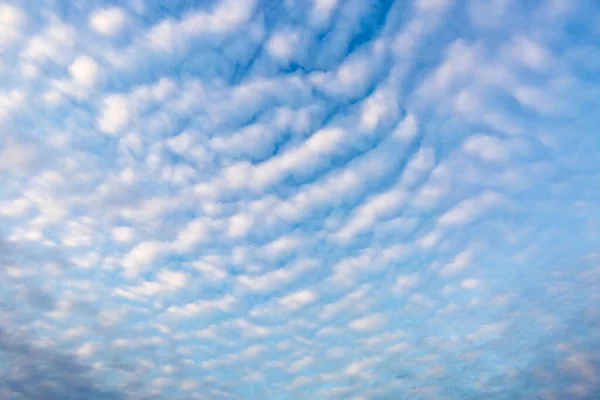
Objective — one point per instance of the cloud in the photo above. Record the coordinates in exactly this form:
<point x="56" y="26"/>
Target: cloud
<point x="487" y="147"/>
<point x="406" y="282"/>
<point x="123" y="234"/>
<point x="273" y="279"/>
<point x="460" y="262"/>
<point x="224" y="303"/>
<point x="63" y="375"/>
<point x="322" y="9"/>
<point x="167" y="281"/>
<point x="300" y="364"/>
<point x="528" y="53"/>
<point x="487" y="330"/>
<point x="55" y="44"/>
<point x="470" y="283"/>
<point x="115" y="114"/>
<point x="282" y="45"/>
<point x="84" y="71"/>
<point x="298" y="299"/>
<point x="468" y="209"/>
<point x="108" y="21"/>
<point x="10" y="101"/>
<point x="225" y="17"/>
<point x="12" y="20"/>
<point x="428" y="5"/>
<point x="301" y="199"/>
<point x="357" y="300"/>
<point x="142" y="256"/>
<point x="369" y="322"/>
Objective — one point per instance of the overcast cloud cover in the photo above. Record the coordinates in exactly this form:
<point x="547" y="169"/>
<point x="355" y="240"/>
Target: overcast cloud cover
<point x="300" y="199"/>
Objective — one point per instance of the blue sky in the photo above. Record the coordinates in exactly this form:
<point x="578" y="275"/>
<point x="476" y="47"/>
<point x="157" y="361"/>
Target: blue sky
<point x="299" y="199"/>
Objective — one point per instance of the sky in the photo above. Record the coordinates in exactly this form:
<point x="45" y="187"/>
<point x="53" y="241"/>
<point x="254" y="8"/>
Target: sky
<point x="299" y="199"/>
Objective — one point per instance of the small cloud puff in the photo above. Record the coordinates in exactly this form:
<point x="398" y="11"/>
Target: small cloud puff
<point x="108" y="21"/>
<point x="12" y="20"/>
<point x="85" y="71"/>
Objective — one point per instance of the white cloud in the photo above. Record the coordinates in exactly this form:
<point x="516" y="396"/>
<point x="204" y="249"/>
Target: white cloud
<point x="370" y="260"/>
<point x="75" y="332"/>
<point x="115" y="114"/>
<point x="320" y="144"/>
<point x="224" y="18"/>
<point x="322" y="10"/>
<point x="283" y="45"/>
<point x="300" y="364"/>
<point x="142" y="257"/>
<point x="87" y="349"/>
<point x="358" y="300"/>
<point x="406" y="282"/>
<point x="536" y="98"/>
<point x="12" y="20"/>
<point x="336" y="391"/>
<point x="457" y="66"/>
<point x="295" y="161"/>
<point x="252" y="330"/>
<point x="189" y="384"/>
<point x="336" y="352"/>
<point x="276" y="278"/>
<point x="298" y="299"/>
<point x="108" y="21"/>
<point x="407" y="128"/>
<point x="123" y="234"/>
<point x="164" y="35"/>
<point x="435" y="5"/>
<point x="15" y="208"/>
<point x="460" y="262"/>
<point x="194" y="232"/>
<point x="279" y="212"/>
<point x="470" y="283"/>
<point x="282" y="245"/>
<point x="180" y="143"/>
<point x="524" y="51"/>
<point x="54" y="44"/>
<point x="376" y="207"/>
<point x="227" y="16"/>
<point x="167" y="281"/>
<point x="210" y="271"/>
<point x="420" y="163"/>
<point x="79" y="233"/>
<point x="224" y="303"/>
<point x="383" y="338"/>
<point x="398" y="347"/>
<point x="85" y="71"/>
<point x="369" y="322"/>
<point x="378" y="108"/>
<point x="421" y="300"/>
<point x="359" y="366"/>
<point x="253" y="351"/>
<point x="487" y="330"/>
<point x="488" y="148"/>
<point x="176" y="279"/>
<point x="354" y="73"/>
<point x="240" y="225"/>
<point x="10" y="102"/>
<point x="468" y="209"/>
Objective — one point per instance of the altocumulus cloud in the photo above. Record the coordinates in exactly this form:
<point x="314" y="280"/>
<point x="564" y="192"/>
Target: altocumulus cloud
<point x="320" y="199"/>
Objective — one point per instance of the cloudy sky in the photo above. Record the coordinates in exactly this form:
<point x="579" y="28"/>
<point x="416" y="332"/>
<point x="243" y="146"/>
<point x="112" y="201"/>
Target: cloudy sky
<point x="299" y="199"/>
